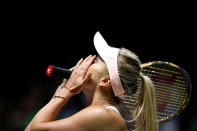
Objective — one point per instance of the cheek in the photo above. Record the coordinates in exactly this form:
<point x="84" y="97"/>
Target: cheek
<point x="94" y="78"/>
<point x="96" y="73"/>
<point x="98" y="70"/>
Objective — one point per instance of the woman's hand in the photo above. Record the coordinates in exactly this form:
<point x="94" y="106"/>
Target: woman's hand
<point x="79" y="76"/>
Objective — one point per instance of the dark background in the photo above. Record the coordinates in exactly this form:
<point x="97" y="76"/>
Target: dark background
<point x="33" y="38"/>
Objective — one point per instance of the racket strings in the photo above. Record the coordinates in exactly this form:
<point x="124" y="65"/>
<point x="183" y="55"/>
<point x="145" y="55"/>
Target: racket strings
<point x="164" y="72"/>
<point x="129" y="100"/>
<point x="171" y="88"/>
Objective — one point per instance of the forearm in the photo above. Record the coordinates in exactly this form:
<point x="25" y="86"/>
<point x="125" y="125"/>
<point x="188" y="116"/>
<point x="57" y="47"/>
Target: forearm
<point x="49" y="111"/>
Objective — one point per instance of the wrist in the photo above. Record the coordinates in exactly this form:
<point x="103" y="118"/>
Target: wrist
<point x="62" y="93"/>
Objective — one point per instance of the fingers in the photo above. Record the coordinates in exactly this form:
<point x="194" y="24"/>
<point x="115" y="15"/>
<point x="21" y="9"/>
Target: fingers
<point x="79" y="62"/>
<point x="86" y="64"/>
<point x="64" y="83"/>
<point x="71" y="69"/>
<point x="89" y="60"/>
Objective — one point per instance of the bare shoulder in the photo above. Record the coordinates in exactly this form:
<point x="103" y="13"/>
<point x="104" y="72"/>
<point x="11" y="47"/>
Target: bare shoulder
<point x="93" y="118"/>
<point x="100" y="118"/>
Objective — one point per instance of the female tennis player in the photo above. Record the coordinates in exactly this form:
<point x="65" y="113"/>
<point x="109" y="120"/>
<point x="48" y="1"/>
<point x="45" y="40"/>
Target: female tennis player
<point x="105" y="80"/>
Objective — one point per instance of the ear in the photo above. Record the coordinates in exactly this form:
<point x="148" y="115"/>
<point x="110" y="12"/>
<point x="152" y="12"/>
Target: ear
<point x="105" y="82"/>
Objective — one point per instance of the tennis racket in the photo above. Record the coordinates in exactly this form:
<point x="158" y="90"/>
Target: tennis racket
<point x="172" y="87"/>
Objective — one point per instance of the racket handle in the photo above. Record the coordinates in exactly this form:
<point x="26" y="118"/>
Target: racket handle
<point x="54" y="71"/>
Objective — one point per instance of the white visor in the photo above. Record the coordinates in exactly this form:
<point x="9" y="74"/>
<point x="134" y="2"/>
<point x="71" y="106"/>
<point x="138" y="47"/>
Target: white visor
<point x="110" y="56"/>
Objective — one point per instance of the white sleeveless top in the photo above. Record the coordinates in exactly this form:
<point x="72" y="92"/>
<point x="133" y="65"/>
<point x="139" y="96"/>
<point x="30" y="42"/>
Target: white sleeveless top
<point x="112" y="107"/>
<point x="131" y="127"/>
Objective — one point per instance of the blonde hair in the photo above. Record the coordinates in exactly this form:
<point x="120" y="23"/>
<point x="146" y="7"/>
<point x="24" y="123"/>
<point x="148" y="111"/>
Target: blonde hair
<point x="145" y="111"/>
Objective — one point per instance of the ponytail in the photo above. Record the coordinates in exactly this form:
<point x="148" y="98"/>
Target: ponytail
<point x="143" y="116"/>
<point x="145" y="110"/>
